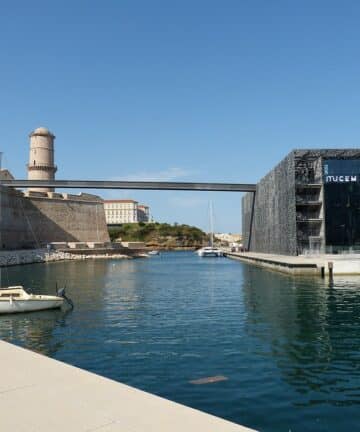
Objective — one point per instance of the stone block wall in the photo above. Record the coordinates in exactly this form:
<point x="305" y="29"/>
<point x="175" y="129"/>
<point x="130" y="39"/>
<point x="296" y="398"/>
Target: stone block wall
<point x="14" y="230"/>
<point x="28" y="222"/>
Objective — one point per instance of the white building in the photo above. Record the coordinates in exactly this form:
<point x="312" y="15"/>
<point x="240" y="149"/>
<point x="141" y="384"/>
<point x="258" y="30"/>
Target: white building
<point x="228" y="237"/>
<point x="143" y="213"/>
<point x="125" y="211"/>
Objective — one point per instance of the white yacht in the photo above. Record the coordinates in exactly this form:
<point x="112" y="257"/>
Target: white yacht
<point x="210" y="251"/>
<point x="15" y="299"/>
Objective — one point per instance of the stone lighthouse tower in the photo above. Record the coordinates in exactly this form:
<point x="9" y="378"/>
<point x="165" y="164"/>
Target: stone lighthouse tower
<point x="41" y="161"/>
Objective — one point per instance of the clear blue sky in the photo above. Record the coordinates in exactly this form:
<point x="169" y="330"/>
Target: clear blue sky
<point x="178" y="90"/>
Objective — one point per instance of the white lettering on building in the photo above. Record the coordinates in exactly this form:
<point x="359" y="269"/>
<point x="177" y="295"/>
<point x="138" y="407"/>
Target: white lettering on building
<point x="340" y="179"/>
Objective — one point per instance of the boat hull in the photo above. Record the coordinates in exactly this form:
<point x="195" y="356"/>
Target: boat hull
<point x="17" y="306"/>
<point x="210" y="254"/>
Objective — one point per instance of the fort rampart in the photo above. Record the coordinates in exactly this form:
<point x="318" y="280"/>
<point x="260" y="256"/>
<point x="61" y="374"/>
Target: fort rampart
<point x="34" y="219"/>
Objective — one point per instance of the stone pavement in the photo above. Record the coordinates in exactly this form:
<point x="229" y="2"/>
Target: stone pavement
<point x="39" y="394"/>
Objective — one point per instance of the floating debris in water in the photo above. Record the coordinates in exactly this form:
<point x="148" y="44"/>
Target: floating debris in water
<point x="209" y="380"/>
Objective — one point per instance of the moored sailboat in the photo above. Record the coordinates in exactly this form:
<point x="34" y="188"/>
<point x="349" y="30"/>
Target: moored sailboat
<point x="211" y="250"/>
<point x="15" y="299"/>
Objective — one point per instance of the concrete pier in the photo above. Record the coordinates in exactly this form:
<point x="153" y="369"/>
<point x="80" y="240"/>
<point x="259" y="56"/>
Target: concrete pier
<point x="41" y="394"/>
<point x="347" y="264"/>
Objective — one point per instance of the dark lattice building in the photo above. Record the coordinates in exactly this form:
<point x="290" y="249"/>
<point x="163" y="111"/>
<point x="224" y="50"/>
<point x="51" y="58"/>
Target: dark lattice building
<point x="310" y="202"/>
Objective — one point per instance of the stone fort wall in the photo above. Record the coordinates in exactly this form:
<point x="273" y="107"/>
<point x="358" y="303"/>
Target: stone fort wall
<point x="34" y="219"/>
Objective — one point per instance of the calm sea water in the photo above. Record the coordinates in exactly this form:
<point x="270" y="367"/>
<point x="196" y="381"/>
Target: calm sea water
<point x="289" y="347"/>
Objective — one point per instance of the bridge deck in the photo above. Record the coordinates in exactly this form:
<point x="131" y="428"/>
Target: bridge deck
<point x="144" y="185"/>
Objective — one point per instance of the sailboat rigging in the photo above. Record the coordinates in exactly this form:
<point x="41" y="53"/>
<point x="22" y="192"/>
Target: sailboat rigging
<point x="211" y="250"/>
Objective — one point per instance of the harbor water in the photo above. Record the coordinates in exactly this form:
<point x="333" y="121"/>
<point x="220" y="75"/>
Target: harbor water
<point x="284" y="350"/>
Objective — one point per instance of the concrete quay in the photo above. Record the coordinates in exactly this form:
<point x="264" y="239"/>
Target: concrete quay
<point x="39" y="394"/>
<point x="346" y="264"/>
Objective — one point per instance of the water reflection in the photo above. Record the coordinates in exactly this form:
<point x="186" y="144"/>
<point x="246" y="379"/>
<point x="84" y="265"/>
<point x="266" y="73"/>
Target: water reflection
<point x="311" y="332"/>
<point x="34" y="330"/>
<point x="287" y="346"/>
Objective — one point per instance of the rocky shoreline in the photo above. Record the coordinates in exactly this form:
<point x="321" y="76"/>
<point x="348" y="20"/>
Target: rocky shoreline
<point x="33" y="256"/>
<point x="20" y="257"/>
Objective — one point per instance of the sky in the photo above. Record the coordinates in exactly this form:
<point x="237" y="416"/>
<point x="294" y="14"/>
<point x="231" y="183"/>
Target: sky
<point x="198" y="90"/>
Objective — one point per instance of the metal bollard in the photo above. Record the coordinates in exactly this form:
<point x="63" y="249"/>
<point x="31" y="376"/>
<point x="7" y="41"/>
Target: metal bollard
<point x="322" y="272"/>
<point x="331" y="268"/>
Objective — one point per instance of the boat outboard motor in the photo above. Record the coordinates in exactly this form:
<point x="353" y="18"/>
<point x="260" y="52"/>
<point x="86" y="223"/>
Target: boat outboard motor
<point x="61" y="293"/>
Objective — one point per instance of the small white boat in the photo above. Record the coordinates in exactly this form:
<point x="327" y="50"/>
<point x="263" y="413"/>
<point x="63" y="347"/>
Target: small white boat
<point x="15" y="299"/>
<point x="210" y="251"/>
<point x="154" y="252"/>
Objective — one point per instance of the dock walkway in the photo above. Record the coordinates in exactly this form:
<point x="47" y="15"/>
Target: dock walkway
<point x="346" y="264"/>
<point x="39" y="394"/>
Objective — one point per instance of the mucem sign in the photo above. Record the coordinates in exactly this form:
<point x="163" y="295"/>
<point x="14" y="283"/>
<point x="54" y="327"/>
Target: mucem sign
<point x="341" y="171"/>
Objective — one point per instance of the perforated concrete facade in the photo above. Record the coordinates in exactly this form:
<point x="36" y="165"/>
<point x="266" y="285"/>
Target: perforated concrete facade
<point x="286" y="214"/>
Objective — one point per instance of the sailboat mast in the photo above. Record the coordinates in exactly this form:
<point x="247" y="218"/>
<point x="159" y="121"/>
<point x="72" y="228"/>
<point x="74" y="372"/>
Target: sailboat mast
<point x="211" y="224"/>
